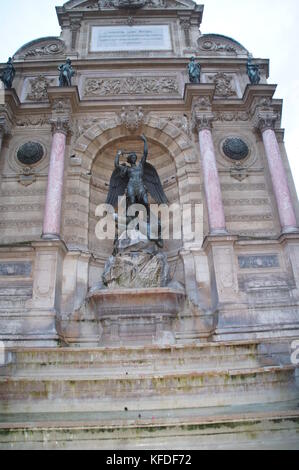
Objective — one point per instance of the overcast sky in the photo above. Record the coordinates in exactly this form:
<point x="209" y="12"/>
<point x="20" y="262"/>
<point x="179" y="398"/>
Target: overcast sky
<point x="267" y="28"/>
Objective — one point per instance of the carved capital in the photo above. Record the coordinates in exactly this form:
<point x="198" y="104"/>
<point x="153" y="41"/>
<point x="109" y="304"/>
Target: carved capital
<point x="205" y="121"/>
<point x="202" y="116"/>
<point x="62" y="125"/>
<point x="264" y="120"/>
<point x="185" y="24"/>
<point x="75" y="24"/>
<point x="61" y="115"/>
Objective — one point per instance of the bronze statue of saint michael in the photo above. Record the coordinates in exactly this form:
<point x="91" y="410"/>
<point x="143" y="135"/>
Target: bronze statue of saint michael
<point x="135" y="180"/>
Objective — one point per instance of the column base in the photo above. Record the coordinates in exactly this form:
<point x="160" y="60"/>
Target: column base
<point x="286" y="230"/>
<point x="218" y="232"/>
<point x="50" y="236"/>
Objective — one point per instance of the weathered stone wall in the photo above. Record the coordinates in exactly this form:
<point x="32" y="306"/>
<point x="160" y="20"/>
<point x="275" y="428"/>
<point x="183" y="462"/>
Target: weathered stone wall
<point x="246" y="275"/>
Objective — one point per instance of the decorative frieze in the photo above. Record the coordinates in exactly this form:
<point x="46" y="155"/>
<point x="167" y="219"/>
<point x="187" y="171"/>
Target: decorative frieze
<point x="21" y="207"/>
<point x="128" y="4"/>
<point x="34" y="121"/>
<point x="249" y="218"/>
<point x="246" y="202"/>
<point x="258" y="261"/>
<point x="22" y="193"/>
<point x="131" y="86"/>
<point x="244" y="187"/>
<point x="230" y="116"/>
<point x="19" y="224"/>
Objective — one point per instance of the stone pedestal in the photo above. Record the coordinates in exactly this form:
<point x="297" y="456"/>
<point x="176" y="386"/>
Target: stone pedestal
<point x="30" y="289"/>
<point x="137" y="316"/>
<point x="220" y="252"/>
<point x="46" y="297"/>
<point x="198" y="320"/>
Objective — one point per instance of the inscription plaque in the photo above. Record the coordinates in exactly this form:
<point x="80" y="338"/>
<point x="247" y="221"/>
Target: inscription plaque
<point x="15" y="269"/>
<point x="130" y="38"/>
<point x="258" y="262"/>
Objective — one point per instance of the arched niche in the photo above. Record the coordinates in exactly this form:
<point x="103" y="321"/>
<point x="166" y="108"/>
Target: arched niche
<point x="172" y="153"/>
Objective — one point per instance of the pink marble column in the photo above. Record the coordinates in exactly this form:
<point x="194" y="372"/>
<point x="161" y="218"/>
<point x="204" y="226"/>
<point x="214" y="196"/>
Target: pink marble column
<point x="211" y="182"/>
<point x="279" y="181"/>
<point x="52" y="214"/>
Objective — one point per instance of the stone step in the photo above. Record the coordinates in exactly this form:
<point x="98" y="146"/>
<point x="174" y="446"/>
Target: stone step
<point x="269" y="430"/>
<point x="201" y="357"/>
<point x="91" y="392"/>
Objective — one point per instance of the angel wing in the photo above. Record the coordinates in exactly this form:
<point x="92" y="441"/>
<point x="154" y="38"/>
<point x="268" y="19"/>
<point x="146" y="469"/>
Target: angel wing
<point x="153" y="184"/>
<point x="118" y="184"/>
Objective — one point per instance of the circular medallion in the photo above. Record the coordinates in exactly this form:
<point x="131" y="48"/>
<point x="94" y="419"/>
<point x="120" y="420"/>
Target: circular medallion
<point x="235" y="148"/>
<point x="30" y="153"/>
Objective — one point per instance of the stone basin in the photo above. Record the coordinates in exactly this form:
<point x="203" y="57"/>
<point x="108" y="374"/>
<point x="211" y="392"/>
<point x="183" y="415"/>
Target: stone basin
<point x="137" y="316"/>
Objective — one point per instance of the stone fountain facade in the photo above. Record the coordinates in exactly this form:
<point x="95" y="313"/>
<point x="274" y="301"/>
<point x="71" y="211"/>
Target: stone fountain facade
<point x="232" y="293"/>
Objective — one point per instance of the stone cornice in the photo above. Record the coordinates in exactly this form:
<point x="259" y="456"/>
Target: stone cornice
<point x="64" y="13"/>
<point x="253" y="97"/>
<point x="198" y="92"/>
<point x="224" y="63"/>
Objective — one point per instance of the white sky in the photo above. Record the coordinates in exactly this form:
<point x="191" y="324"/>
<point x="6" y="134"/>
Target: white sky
<point x="267" y="28"/>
